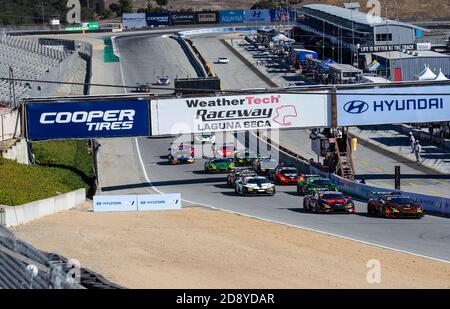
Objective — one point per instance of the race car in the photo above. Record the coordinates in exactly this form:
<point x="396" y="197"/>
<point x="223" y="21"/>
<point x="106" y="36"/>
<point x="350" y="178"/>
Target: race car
<point x="181" y="146"/>
<point x="328" y="201"/>
<point x="285" y="175"/>
<point x="181" y="156"/>
<point x="162" y="80"/>
<point x="142" y="88"/>
<point x="223" y="60"/>
<point x="313" y="184"/>
<point x="254" y="185"/>
<point x="225" y="150"/>
<point x="218" y="165"/>
<point x="244" y="157"/>
<point x="391" y="205"/>
<point x="206" y="137"/>
<point x="239" y="172"/>
<point x="264" y="165"/>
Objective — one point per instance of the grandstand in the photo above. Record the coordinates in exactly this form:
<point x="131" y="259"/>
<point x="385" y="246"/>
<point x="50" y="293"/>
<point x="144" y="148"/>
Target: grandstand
<point x="27" y="60"/>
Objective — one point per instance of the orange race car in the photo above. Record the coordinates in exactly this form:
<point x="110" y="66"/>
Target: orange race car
<point x="392" y="205"/>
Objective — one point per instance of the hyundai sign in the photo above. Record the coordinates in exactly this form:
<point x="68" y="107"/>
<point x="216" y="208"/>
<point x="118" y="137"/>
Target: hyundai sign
<point x="87" y="119"/>
<point x="393" y="105"/>
<point x="237" y="113"/>
<point x="257" y="16"/>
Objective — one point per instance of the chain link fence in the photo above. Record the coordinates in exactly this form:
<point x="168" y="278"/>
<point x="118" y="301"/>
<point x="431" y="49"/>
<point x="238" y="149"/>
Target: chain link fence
<point x="24" y="267"/>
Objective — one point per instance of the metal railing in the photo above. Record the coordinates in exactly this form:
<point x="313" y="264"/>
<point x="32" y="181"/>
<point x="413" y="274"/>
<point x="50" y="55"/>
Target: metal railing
<point x="24" y="267"/>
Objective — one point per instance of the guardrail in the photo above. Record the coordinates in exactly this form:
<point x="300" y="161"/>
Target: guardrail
<point x="192" y="58"/>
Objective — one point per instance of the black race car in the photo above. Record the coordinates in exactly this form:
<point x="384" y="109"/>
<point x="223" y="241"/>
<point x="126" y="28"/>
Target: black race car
<point x="328" y="201"/>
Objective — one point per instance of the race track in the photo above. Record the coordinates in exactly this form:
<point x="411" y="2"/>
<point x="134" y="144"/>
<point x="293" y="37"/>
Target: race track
<point x="146" y="56"/>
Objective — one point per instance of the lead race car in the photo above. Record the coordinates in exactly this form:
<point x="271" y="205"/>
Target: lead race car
<point x="328" y="201"/>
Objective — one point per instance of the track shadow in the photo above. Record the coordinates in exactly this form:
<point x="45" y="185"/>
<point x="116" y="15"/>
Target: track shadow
<point x="223" y="186"/>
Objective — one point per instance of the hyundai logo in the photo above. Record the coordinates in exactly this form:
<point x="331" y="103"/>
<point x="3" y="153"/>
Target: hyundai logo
<point x="356" y="107"/>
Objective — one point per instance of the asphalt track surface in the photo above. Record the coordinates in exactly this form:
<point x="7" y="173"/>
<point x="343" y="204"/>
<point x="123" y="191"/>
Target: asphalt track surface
<point x="140" y="56"/>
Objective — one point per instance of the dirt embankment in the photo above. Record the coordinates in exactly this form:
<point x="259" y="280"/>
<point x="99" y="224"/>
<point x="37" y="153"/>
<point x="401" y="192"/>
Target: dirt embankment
<point x="199" y="248"/>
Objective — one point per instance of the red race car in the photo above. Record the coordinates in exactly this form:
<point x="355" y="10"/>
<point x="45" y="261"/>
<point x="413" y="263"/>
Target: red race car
<point x="225" y="151"/>
<point x="394" y="206"/>
<point x="285" y="175"/>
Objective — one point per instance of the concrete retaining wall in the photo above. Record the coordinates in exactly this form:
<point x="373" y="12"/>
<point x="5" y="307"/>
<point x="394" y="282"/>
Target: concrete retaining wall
<point x="18" y="152"/>
<point x="16" y="215"/>
<point x="9" y="125"/>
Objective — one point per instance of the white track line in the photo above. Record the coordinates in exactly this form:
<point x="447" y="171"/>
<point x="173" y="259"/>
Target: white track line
<point x="147" y="179"/>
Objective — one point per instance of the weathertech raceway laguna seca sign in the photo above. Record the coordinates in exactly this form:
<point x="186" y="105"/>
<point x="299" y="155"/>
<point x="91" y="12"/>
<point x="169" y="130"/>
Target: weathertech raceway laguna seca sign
<point x="236" y="113"/>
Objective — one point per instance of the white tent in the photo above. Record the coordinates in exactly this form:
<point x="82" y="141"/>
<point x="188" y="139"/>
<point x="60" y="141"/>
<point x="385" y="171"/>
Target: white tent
<point x="282" y="37"/>
<point x="441" y="76"/>
<point x="427" y="74"/>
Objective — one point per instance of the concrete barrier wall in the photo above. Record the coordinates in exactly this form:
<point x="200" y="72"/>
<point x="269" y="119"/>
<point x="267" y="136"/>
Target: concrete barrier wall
<point x="16" y="215"/>
<point x="9" y="125"/>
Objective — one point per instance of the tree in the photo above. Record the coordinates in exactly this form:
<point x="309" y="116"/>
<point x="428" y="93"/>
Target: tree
<point x="126" y="6"/>
<point x="115" y="8"/>
<point x="264" y="4"/>
<point x="162" y="2"/>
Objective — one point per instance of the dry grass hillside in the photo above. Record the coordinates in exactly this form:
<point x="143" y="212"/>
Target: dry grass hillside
<point x="408" y="9"/>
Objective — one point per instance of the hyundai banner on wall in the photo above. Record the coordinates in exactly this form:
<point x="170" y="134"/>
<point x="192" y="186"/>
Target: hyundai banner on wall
<point x="257" y="16"/>
<point x="236" y="113"/>
<point x="87" y="119"/>
<point x="232" y="17"/>
<point x="393" y="105"/>
<point x="158" y="19"/>
<point x="179" y="18"/>
<point x="134" y="20"/>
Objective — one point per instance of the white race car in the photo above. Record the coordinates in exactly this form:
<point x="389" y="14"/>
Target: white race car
<point x="163" y="80"/>
<point x="223" y="60"/>
<point x="207" y="137"/>
<point x="254" y="185"/>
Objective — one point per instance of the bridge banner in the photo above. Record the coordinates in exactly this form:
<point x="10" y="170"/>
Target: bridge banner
<point x="393" y="105"/>
<point x="237" y="113"/>
<point x="87" y="119"/>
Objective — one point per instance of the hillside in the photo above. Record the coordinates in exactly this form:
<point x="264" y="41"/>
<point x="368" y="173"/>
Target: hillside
<point x="408" y="9"/>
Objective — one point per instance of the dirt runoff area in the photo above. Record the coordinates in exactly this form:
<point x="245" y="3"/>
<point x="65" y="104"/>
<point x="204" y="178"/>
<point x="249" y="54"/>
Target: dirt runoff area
<point x="201" y="248"/>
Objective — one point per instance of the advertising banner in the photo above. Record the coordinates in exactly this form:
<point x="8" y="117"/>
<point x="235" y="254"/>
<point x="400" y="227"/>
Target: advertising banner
<point x="236" y="113"/>
<point x="103" y="203"/>
<point x="134" y="20"/>
<point x="157" y="19"/>
<point x="393" y="105"/>
<point x="257" y="16"/>
<point x="207" y="17"/>
<point x="231" y="17"/>
<point x="87" y="119"/>
<point x="280" y="15"/>
<point x="159" y="202"/>
<point x="180" y="18"/>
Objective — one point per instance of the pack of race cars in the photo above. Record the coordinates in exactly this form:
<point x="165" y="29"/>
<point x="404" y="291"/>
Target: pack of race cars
<point x="249" y="174"/>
